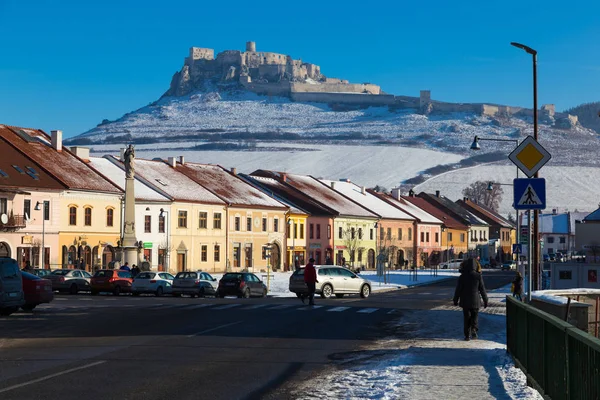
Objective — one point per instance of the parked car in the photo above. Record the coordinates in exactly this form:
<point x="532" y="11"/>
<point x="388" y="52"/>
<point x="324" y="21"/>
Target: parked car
<point x="11" y="286"/>
<point x="485" y="263"/>
<point x="39" y="272"/>
<point x="551" y="256"/>
<point x="71" y="280"/>
<point x="36" y="290"/>
<point x="508" y="265"/>
<point x="332" y="280"/>
<point x="452" y="264"/>
<point x="195" y="284"/>
<point x="116" y="281"/>
<point x="158" y="283"/>
<point x="241" y="284"/>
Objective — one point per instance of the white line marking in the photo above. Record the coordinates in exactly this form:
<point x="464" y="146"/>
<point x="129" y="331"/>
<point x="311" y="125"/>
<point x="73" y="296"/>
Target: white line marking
<point x="338" y="309"/>
<point x="391" y="312"/>
<point x="310" y="307"/>
<point x="195" y="306"/>
<point x="226" y="306"/>
<point x="281" y="307"/>
<point x="45" y="378"/>
<point x="214" y="329"/>
<point x="255" y="306"/>
<point x="368" y="310"/>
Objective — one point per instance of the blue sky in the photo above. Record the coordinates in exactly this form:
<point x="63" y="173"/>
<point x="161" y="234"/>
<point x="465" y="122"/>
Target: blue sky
<point x="69" y="64"/>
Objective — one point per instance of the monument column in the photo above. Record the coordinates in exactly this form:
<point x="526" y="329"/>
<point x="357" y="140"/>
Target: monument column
<point x="129" y="239"/>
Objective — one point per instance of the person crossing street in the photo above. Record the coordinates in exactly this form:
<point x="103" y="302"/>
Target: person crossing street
<point x="310" y="278"/>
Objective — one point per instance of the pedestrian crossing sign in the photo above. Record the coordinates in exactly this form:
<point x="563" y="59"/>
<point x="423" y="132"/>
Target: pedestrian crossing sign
<point x="530" y="194"/>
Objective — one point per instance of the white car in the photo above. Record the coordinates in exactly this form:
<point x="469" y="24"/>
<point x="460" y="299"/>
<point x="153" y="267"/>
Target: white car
<point x="452" y="264"/>
<point x="158" y="283"/>
<point x="333" y="280"/>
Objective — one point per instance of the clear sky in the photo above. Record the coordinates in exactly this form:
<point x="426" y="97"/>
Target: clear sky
<point x="69" y="64"/>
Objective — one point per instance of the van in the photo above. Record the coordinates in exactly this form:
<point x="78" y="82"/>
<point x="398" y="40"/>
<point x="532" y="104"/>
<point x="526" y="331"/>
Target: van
<point x="11" y="286"/>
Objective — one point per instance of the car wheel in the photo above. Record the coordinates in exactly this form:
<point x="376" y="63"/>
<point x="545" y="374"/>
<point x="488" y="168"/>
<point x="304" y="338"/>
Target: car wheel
<point x="159" y="291"/>
<point x="339" y="295"/>
<point x="326" y="291"/>
<point x="117" y="290"/>
<point x="264" y="293"/>
<point x="201" y="292"/>
<point x="246" y="294"/>
<point x="73" y="289"/>
<point x="28" y="307"/>
<point x="365" y="291"/>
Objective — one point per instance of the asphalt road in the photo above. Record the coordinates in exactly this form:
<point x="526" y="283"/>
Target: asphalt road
<point x="106" y="347"/>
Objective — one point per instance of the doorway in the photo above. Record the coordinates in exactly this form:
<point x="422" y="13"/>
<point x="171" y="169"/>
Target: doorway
<point x="181" y="262"/>
<point x="4" y="249"/>
<point x="371" y="259"/>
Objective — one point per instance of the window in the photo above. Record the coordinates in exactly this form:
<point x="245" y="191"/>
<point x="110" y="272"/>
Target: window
<point x="389" y="233"/>
<point x="27" y="208"/>
<point x="409" y="233"/>
<point x="237" y="224"/>
<point x="217" y="253"/>
<point x="437" y="237"/>
<point x="203" y="220"/>
<point x="295" y="231"/>
<point x="249" y="224"/>
<point x="352" y="233"/>
<point x="276" y="225"/>
<point x="264" y="224"/>
<point x="399" y="233"/>
<point x="328" y="231"/>
<point x="462" y="237"/>
<point x="422" y="236"/>
<point x="311" y="232"/>
<point x="550" y="239"/>
<point x="204" y="253"/>
<point x="182" y="219"/>
<point x="289" y="229"/>
<point x="427" y="237"/>
<point x="147" y="223"/>
<point x="301" y="231"/>
<point x="3" y="174"/>
<point x="371" y="234"/>
<point x="161" y="224"/>
<point x="217" y="220"/>
<point x="87" y="213"/>
<point x="565" y="275"/>
<point x="110" y="217"/>
<point x="47" y="210"/>
<point x="72" y="215"/>
<point x="449" y="236"/>
<point x="381" y="233"/>
<point x="318" y="231"/>
<point x="3" y="206"/>
<point x="360" y="236"/>
<point x="360" y="254"/>
<point x="19" y="170"/>
<point x="561" y="239"/>
<point x="340" y="232"/>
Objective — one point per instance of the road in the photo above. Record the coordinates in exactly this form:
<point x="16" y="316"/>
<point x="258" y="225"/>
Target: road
<point x="106" y="347"/>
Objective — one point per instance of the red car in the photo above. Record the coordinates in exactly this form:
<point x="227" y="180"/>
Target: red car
<point x="37" y="291"/>
<point x="111" y="280"/>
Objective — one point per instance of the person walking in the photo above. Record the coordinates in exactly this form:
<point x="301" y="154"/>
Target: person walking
<point x="125" y="267"/>
<point x="517" y="286"/>
<point x="469" y="288"/>
<point x="135" y="270"/>
<point x="310" y="278"/>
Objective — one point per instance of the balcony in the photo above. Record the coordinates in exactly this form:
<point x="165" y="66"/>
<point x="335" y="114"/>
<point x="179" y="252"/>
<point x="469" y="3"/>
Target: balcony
<point x="13" y="223"/>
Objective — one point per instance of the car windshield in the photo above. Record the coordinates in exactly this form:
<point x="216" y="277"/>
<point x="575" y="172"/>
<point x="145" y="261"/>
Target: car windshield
<point x="31" y="277"/>
<point x="232" y="277"/>
<point x="146" y="275"/>
<point x="103" y="274"/>
<point x="9" y="270"/>
<point x="61" y="272"/>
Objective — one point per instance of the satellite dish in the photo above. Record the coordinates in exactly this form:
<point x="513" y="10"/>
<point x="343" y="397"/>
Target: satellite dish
<point x="4" y="218"/>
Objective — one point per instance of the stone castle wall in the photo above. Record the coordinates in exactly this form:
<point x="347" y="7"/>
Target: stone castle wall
<point x="336" y="88"/>
<point x="344" y="98"/>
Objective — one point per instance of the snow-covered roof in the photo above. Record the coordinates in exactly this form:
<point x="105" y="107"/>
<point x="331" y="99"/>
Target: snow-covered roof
<point x="266" y="185"/>
<point x="439" y="213"/>
<point x="465" y="215"/>
<point x="227" y="186"/>
<point x="172" y="182"/>
<point x="116" y="174"/>
<point x="419" y="213"/>
<point x="485" y="213"/>
<point x="368" y="200"/>
<point x="63" y="165"/>
<point x="320" y="192"/>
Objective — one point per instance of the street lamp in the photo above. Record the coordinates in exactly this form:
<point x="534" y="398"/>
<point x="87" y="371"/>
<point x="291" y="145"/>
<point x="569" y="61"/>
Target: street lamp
<point x="167" y="252"/>
<point x="293" y="250"/>
<point x="535" y="253"/>
<point x="42" y="206"/>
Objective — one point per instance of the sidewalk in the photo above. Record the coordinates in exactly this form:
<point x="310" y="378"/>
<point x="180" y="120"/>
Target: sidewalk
<point x="427" y="358"/>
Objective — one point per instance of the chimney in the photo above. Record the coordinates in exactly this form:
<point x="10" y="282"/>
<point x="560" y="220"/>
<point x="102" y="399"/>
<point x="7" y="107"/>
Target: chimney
<point x="437" y="193"/>
<point x="465" y="199"/>
<point x="56" y="140"/>
<point x="182" y="160"/>
<point x="172" y="162"/>
<point x="411" y="193"/>
<point x="284" y="177"/>
<point x="333" y="184"/>
<point x="396" y="193"/>
<point x="554" y="211"/>
<point x="363" y="190"/>
<point x="234" y="170"/>
<point x="122" y="157"/>
<point x="81" y="152"/>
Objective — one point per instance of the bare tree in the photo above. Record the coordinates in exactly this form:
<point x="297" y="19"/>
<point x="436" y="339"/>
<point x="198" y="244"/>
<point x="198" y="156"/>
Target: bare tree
<point x="479" y="193"/>
<point x="352" y="240"/>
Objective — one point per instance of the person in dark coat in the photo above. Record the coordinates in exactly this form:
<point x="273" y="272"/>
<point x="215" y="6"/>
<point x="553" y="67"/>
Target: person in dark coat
<point x="518" y="286"/>
<point x="467" y="294"/>
<point x="310" y="278"/>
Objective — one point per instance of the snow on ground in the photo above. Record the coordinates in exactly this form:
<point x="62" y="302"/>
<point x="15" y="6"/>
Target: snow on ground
<point x="427" y="359"/>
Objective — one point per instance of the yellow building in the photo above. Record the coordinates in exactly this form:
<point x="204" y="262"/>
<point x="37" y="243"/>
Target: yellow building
<point x="296" y="235"/>
<point x="355" y="241"/>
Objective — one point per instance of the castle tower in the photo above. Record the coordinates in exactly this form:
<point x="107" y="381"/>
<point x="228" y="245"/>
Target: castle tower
<point x="251" y="46"/>
<point x="425" y="97"/>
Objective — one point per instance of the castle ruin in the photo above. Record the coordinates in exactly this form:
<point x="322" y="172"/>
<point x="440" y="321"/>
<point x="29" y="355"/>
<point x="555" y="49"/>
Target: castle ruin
<point x="276" y="74"/>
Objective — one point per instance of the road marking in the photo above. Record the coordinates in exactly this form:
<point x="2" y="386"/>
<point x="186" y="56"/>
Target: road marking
<point x="156" y="306"/>
<point x="391" y="312"/>
<point x="310" y="307"/>
<point x="226" y="306"/>
<point x="368" y="310"/>
<point x="214" y="329"/>
<point x="195" y="306"/>
<point x="338" y="309"/>
<point x="255" y="306"/>
<point x="45" y="378"/>
<point x="280" y="307"/>
<point x="60" y="299"/>
<point x="85" y="299"/>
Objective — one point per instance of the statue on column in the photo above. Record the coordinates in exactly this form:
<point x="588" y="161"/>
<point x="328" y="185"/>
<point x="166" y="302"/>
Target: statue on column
<point x="129" y="157"/>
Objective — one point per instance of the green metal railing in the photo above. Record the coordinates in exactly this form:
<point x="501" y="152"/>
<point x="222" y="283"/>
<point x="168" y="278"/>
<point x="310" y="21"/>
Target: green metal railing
<point x="560" y="361"/>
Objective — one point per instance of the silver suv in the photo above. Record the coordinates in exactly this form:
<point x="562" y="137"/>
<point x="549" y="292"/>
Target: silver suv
<point x="332" y="280"/>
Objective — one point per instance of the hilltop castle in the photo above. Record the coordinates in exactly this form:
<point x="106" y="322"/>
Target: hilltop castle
<point x="276" y="74"/>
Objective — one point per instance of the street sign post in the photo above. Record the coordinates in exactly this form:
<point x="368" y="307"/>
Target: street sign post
<point x="530" y="156"/>
<point x="516" y="248"/>
<point x="529" y="194"/>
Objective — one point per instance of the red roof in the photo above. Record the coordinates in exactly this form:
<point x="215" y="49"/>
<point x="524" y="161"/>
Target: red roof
<point x="62" y="165"/>
<point x="485" y="213"/>
<point x="440" y="214"/>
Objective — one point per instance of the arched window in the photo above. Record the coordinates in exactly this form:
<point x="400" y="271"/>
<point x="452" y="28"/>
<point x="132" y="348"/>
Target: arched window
<point x="72" y="215"/>
<point x="87" y="212"/>
<point x="110" y="216"/>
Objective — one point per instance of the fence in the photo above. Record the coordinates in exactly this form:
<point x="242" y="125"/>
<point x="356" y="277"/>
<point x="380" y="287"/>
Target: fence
<point x="560" y="361"/>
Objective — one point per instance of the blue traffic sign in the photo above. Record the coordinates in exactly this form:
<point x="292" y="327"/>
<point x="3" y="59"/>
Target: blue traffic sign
<point x="517" y="248"/>
<point x="529" y="194"/>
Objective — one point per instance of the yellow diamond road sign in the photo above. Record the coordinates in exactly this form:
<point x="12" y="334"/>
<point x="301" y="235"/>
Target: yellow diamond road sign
<point x="530" y="156"/>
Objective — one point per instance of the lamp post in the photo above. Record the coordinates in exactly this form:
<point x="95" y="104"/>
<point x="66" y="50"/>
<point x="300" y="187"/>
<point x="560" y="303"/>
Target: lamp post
<point x="167" y="250"/>
<point x="42" y="206"/>
<point x="536" y="228"/>
<point x="292" y="226"/>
